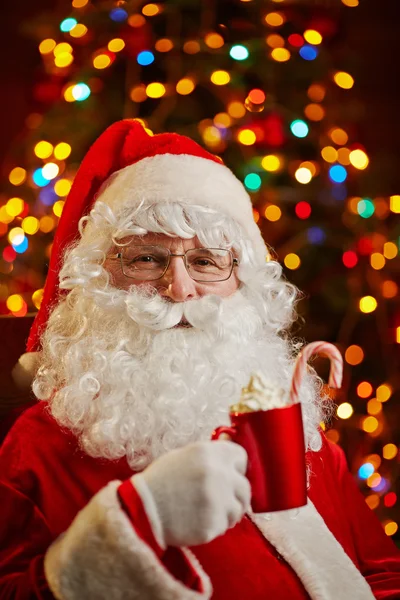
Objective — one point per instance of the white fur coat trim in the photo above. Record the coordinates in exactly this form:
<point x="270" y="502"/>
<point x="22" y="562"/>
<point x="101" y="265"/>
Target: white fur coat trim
<point x="306" y="543"/>
<point x="100" y="557"/>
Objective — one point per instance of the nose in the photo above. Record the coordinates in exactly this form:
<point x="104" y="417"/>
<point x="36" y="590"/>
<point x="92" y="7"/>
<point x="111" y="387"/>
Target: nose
<point x="177" y="283"/>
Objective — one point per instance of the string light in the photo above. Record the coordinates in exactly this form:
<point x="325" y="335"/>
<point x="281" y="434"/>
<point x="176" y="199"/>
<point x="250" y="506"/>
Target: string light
<point x="343" y="80"/>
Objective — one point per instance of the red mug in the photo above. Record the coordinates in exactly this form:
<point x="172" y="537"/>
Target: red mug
<point x="274" y="442"/>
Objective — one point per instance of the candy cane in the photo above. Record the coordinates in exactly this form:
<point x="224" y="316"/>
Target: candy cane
<point x="336" y="370"/>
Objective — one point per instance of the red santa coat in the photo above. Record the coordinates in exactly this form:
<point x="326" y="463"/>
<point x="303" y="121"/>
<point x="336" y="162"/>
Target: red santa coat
<point x="46" y="480"/>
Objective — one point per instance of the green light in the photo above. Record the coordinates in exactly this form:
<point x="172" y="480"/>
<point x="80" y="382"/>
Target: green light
<point x="253" y="182"/>
<point x="68" y="24"/>
<point x="299" y="128"/>
<point x="365" y="208"/>
<point x="239" y="52"/>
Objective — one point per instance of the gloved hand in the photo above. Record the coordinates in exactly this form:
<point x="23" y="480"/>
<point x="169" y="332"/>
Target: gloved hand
<point x="194" y="494"/>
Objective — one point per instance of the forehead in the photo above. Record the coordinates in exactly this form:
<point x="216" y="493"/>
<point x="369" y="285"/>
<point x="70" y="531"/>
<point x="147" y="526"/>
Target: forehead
<point x="160" y="239"/>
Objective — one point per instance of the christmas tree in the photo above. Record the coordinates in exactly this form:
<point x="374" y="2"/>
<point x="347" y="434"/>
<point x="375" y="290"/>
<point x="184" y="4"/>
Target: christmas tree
<point x="267" y="87"/>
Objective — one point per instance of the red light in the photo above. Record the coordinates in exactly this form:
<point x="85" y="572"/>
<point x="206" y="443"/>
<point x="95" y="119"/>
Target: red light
<point x="256" y="215"/>
<point x="256" y="96"/>
<point x="303" y="210"/>
<point x="364" y="246"/>
<point x="350" y="259"/>
<point x="9" y="254"/>
<point x="296" y="40"/>
<point x="390" y="499"/>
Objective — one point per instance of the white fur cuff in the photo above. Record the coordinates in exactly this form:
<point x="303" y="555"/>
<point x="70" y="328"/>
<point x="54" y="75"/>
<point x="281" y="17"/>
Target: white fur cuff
<point x="100" y="557"/>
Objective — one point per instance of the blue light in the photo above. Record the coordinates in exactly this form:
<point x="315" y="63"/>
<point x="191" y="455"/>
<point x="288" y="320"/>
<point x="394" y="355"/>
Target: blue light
<point x="339" y="192"/>
<point x="308" y="52"/>
<point x="68" y="24"/>
<point x="365" y="470"/>
<point x="239" y="52"/>
<point x="338" y="174"/>
<point x="22" y="247"/>
<point x="48" y="196"/>
<point x="119" y="15"/>
<point x="299" y="128"/>
<point x="252" y="181"/>
<point x="81" y="91"/>
<point x="382" y="486"/>
<point x="145" y="58"/>
<point x="316" y="235"/>
<point x="39" y="179"/>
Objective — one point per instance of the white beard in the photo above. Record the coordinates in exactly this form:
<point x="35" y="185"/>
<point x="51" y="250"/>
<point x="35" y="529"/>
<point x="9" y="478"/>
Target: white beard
<point x="131" y="384"/>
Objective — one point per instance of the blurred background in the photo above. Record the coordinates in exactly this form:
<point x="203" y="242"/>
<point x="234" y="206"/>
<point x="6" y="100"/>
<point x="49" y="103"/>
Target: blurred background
<point x="299" y="98"/>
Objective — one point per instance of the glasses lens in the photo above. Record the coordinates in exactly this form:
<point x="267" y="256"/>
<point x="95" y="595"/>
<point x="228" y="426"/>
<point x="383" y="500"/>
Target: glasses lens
<point x="144" y="262"/>
<point x="209" y="264"/>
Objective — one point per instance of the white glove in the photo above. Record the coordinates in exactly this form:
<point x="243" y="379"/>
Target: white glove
<point x="194" y="494"/>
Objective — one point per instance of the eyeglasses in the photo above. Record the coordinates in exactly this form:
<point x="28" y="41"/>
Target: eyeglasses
<point x="147" y="263"/>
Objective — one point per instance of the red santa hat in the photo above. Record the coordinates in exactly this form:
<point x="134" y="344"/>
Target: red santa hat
<point x="127" y="164"/>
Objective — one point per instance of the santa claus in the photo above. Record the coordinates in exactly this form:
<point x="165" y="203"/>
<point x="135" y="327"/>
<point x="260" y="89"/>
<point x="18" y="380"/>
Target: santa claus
<point x="158" y="306"/>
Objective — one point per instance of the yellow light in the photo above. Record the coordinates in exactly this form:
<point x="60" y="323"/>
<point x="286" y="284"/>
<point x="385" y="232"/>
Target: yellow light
<point x="222" y="119"/>
<point x="15" y="206"/>
<point x="368" y="304"/>
<point x="191" y="47"/>
<point x="101" y="61"/>
<point x="79" y="3"/>
<point x="391" y="527"/>
<point x="373" y="499"/>
<point x="351" y="3"/>
<point x="329" y="154"/>
<point x="389" y="289"/>
<point x="339" y="136"/>
<point x="237" y="110"/>
<point x="377" y="261"/>
<point x="62" y="187"/>
<point x="374" y="407"/>
<point x="47" y="46"/>
<point x="4" y="216"/>
<point x="62" y="151"/>
<point x="374" y="479"/>
<point x="343" y="156"/>
<point x="398" y="335"/>
<point x="383" y="392"/>
<point x="37" y="298"/>
<point x="16" y="236"/>
<point x="389" y="451"/>
<point x="312" y="37"/>
<point x="63" y="60"/>
<point x="344" y="410"/>
<point x="314" y="112"/>
<point x="316" y="92"/>
<point x="303" y="175"/>
<point x="50" y="171"/>
<point x="275" y="19"/>
<point x="58" y="207"/>
<point x="78" y="31"/>
<point x="359" y="159"/>
<point x="352" y="204"/>
<point x="164" y="45"/>
<point x="150" y="10"/>
<point x="292" y="261"/>
<point x="374" y="459"/>
<point x="30" y="225"/>
<point x="15" y="302"/>
<point x="43" y="149"/>
<point x="220" y="77"/>
<point x="364" y="389"/>
<point x="370" y="424"/>
<point x="395" y="203"/>
<point x="68" y="93"/>
<point x="390" y="250"/>
<point x="271" y="163"/>
<point x="280" y="54"/>
<point x="214" y="40"/>
<point x="211" y="135"/>
<point x="46" y="224"/>
<point x="155" y="90"/>
<point x="17" y="176"/>
<point x="185" y="86"/>
<point x="116" y="45"/>
<point x="63" y="48"/>
<point x="275" y="41"/>
<point x="138" y="93"/>
<point x="354" y="355"/>
<point x="343" y="80"/>
<point x="247" y="137"/>
<point x="312" y="167"/>
<point x="273" y="213"/>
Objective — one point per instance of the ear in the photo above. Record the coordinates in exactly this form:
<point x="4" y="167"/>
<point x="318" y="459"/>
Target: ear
<point x="25" y="369"/>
